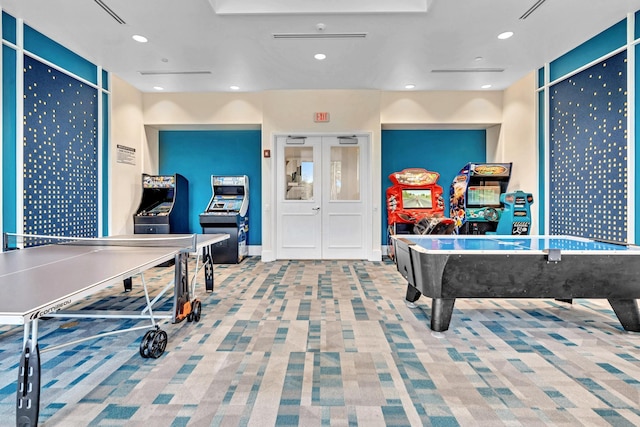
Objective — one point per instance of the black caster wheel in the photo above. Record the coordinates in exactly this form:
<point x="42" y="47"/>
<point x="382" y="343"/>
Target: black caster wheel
<point x="197" y="310"/>
<point x="144" y="345"/>
<point x="157" y="344"/>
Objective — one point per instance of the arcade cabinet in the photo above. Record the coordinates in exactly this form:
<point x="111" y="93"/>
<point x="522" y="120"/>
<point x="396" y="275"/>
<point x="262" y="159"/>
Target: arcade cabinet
<point x="516" y="216"/>
<point x="227" y="213"/>
<point x="415" y="205"/>
<point x="164" y="207"/>
<point x="475" y="204"/>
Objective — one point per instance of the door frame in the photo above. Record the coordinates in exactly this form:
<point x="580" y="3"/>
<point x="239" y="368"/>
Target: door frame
<point x="368" y="198"/>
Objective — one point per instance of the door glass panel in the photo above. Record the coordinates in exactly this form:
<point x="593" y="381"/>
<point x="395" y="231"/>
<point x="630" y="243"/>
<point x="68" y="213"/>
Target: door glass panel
<point x="344" y="174"/>
<point x="298" y="172"/>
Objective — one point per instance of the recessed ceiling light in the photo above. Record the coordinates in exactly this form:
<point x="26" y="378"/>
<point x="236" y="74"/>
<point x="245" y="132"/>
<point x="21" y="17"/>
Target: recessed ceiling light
<point x="410" y="86"/>
<point x="234" y="87"/>
<point x="478" y="58"/>
<point x="140" y="39"/>
<point x="505" y="35"/>
<point x="485" y="86"/>
<point x="158" y="88"/>
<point x="320" y="56"/>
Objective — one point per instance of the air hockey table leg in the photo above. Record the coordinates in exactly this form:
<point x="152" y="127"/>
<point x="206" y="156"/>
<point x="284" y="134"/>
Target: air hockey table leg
<point x="627" y="312"/>
<point x="207" y="262"/>
<point x="441" y="311"/>
<point x="413" y="294"/>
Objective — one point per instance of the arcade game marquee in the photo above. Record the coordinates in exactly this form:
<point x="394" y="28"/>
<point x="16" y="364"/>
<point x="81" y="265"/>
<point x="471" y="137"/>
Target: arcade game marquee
<point x="415" y="205"/>
<point x="227" y="212"/>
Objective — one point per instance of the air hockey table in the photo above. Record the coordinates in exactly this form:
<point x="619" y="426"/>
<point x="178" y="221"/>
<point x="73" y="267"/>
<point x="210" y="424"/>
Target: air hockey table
<point x="446" y="267"/>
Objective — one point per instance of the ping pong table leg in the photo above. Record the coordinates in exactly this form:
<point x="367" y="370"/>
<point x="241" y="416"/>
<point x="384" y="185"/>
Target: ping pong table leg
<point x="181" y="297"/>
<point x="127" y="284"/>
<point x="207" y="262"/>
<point x="28" y="390"/>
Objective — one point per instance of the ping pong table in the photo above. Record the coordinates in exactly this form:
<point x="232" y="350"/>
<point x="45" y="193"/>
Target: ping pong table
<point x="444" y="268"/>
<point x="45" y="276"/>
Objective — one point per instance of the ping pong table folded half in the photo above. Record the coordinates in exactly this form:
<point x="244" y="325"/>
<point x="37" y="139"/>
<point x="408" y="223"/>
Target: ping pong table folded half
<point x="45" y="275"/>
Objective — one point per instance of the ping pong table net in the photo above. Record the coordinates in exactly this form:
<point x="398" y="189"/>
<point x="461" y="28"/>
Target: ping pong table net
<point x="12" y="241"/>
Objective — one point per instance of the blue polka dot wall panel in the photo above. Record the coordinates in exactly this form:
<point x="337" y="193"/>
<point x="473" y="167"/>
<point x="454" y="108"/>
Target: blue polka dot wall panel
<point x="588" y="152"/>
<point x="60" y="166"/>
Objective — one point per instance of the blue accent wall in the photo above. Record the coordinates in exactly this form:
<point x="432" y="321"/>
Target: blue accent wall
<point x="199" y="154"/>
<point x="37" y="43"/>
<point x="8" y="28"/>
<point x="9" y="136"/>
<point x="61" y="154"/>
<point x="105" y="162"/>
<point x="637" y="139"/>
<point x="442" y="151"/>
<point x="596" y="47"/>
<point x="542" y="193"/>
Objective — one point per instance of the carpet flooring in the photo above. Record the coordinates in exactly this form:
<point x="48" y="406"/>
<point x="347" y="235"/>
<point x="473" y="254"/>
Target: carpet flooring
<point x="332" y="343"/>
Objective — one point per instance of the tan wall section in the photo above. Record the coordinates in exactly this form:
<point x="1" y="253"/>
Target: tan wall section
<point x="457" y="109"/>
<point x="176" y="109"/>
<point x="127" y="128"/>
<point x="518" y="139"/>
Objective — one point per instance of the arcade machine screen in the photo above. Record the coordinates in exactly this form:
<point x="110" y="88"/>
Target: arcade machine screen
<point x="483" y="195"/>
<point x="417" y="199"/>
<point x="161" y="209"/>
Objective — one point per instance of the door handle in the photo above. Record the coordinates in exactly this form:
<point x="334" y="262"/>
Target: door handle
<point x="317" y="209"/>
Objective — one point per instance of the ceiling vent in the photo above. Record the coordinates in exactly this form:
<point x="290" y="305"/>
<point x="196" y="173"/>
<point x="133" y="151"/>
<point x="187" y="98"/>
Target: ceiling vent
<point x="319" y="35"/>
<point x="172" y="73"/>
<point x="468" y="70"/>
<point x="110" y="12"/>
<point x="532" y="9"/>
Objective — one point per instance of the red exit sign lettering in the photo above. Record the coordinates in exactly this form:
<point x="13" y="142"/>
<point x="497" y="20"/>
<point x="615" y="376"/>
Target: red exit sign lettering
<point x="321" y="117"/>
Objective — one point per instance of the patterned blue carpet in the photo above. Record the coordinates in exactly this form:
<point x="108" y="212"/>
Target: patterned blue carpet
<point x="332" y="343"/>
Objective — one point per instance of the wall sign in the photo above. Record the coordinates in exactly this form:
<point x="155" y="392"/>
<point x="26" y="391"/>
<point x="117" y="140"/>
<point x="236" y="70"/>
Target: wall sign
<point x="126" y="155"/>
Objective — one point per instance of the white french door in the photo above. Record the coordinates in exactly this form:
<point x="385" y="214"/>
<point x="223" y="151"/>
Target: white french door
<point x="321" y="198"/>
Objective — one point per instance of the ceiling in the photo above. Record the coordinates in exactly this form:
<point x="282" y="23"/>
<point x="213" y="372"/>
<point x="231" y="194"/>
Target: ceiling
<point x="258" y="45"/>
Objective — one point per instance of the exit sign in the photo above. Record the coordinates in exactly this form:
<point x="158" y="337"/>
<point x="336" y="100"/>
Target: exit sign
<point x="321" y="117"/>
